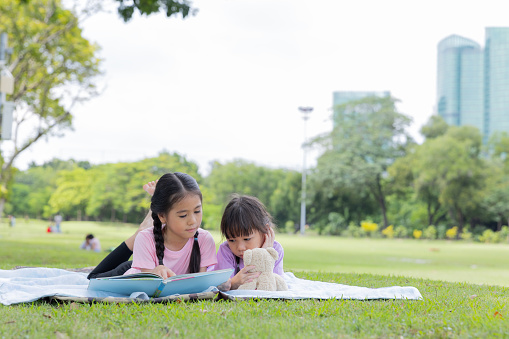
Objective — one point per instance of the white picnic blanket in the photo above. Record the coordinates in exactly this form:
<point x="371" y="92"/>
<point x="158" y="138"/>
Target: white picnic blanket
<point x="311" y="289"/>
<point x="30" y="284"/>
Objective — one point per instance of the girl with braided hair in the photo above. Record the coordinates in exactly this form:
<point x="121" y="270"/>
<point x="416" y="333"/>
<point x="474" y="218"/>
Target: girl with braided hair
<point x="175" y="243"/>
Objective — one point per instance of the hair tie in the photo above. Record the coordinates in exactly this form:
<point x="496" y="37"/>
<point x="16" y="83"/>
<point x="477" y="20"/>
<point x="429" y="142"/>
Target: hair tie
<point x="196" y="236"/>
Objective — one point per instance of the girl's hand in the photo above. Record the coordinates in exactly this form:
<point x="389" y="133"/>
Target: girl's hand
<point x="163" y="271"/>
<point x="269" y="238"/>
<point x="244" y="276"/>
<point x="226" y="286"/>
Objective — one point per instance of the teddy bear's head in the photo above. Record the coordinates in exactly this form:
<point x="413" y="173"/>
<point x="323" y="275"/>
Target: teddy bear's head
<point x="263" y="258"/>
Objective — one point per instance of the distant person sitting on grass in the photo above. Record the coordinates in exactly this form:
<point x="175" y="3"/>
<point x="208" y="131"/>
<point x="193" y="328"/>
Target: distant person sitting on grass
<point x="12" y="220"/>
<point x="91" y="243"/>
<point x="58" y="220"/>
<point x="169" y="241"/>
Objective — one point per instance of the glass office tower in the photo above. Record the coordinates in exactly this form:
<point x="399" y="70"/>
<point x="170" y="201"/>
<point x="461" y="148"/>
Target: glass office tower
<point x="460" y="81"/>
<point x="473" y="83"/>
<point x="496" y="80"/>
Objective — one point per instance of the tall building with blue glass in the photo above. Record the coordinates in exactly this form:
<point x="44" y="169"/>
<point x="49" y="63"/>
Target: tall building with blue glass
<point x="473" y="82"/>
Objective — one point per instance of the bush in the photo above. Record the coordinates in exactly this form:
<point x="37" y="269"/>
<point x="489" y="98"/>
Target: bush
<point x="289" y="227"/>
<point x="466" y="235"/>
<point x="369" y="227"/>
<point x="504" y="234"/>
<point x="441" y="231"/>
<point x="430" y="232"/>
<point x="452" y="232"/>
<point x="417" y="234"/>
<point x="354" y="231"/>
<point x="336" y="224"/>
<point x="388" y="232"/>
<point x="488" y="236"/>
<point x="401" y="231"/>
<point x="478" y="230"/>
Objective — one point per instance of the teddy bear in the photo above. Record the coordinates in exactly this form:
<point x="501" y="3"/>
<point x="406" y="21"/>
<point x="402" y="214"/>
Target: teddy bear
<point x="264" y="259"/>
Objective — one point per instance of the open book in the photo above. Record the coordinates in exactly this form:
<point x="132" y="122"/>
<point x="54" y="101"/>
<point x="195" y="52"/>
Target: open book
<point x="155" y="286"/>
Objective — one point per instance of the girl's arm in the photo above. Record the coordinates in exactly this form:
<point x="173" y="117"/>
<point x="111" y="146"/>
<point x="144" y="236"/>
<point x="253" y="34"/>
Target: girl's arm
<point x="278" y="266"/>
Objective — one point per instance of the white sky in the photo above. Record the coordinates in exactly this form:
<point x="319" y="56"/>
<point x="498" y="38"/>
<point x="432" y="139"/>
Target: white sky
<point x="227" y="83"/>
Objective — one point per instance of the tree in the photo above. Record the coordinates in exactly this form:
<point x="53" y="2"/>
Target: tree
<point x="126" y="8"/>
<point x="72" y="193"/>
<point x="244" y="177"/>
<point x="117" y="188"/>
<point x="451" y="167"/>
<point x="411" y="172"/>
<point x="285" y="199"/>
<point x="435" y="127"/>
<point x="369" y="136"/>
<point x="33" y="188"/>
<point x="496" y="199"/>
<point x="54" y="68"/>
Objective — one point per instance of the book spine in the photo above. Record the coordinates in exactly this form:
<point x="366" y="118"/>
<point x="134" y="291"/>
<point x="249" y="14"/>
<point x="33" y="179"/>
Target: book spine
<point x="158" y="291"/>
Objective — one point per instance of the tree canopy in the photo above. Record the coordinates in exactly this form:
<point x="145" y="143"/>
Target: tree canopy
<point x="54" y="68"/>
<point x="127" y="8"/>
<point x="370" y="134"/>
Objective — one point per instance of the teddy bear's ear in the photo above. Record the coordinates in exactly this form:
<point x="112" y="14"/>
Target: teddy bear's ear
<point x="273" y="253"/>
<point x="248" y="255"/>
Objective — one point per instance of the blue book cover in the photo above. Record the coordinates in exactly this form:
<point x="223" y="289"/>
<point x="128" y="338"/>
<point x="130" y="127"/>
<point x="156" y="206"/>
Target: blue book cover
<point x="155" y="286"/>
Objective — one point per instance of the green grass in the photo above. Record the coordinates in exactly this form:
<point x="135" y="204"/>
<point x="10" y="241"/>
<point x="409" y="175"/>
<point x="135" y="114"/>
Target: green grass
<point x="456" y="261"/>
<point x="448" y="310"/>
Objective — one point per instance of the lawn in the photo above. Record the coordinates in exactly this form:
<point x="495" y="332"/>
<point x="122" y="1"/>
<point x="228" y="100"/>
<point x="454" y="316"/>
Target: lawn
<point x="451" y="308"/>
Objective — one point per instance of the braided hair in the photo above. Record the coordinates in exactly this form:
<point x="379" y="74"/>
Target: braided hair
<point x="171" y="188"/>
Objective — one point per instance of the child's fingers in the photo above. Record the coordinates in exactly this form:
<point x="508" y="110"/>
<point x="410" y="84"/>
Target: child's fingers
<point x="247" y="268"/>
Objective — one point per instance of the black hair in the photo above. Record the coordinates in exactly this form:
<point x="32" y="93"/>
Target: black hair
<point x="89" y="236"/>
<point x="171" y="188"/>
<point x="243" y="215"/>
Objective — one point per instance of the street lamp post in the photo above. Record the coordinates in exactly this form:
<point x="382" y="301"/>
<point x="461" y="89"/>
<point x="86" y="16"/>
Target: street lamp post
<point x="305" y="115"/>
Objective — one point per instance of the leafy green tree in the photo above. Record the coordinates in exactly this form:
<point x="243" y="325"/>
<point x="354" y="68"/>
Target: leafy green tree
<point x="117" y="188"/>
<point x="126" y="8"/>
<point x="435" y="127"/>
<point x="496" y="197"/>
<point x="54" y="67"/>
<point x="72" y="193"/>
<point x="410" y="179"/>
<point x="33" y="188"/>
<point x="285" y="199"/>
<point x="329" y="194"/>
<point x="452" y="167"/>
<point x="241" y="177"/>
<point x="498" y="148"/>
<point x="244" y="177"/>
<point x="368" y="137"/>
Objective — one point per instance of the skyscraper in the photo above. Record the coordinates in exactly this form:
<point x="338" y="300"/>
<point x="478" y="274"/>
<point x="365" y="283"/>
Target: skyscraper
<point x="496" y="80"/>
<point x="473" y="83"/>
